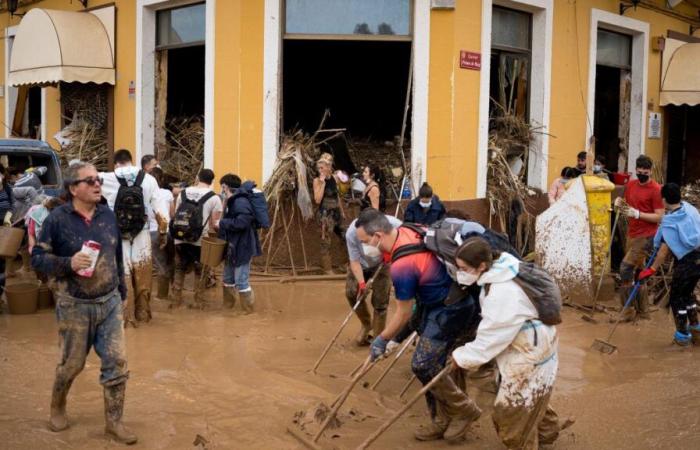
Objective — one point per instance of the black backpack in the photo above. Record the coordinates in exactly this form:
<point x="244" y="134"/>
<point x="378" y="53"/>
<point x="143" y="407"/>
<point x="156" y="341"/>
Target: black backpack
<point x="129" y="207"/>
<point x="188" y="223"/>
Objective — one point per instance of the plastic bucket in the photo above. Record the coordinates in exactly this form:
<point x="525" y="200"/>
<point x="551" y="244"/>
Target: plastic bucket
<point x="212" y="251"/>
<point x="45" y="297"/>
<point x="22" y="298"/>
<point x="621" y="179"/>
<point x="10" y="241"/>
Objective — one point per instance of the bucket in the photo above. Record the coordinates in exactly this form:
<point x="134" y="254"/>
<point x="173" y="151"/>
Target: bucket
<point x="212" y="251"/>
<point x="45" y="297"/>
<point x="22" y="298"/>
<point x="10" y="241"/>
<point x="621" y="179"/>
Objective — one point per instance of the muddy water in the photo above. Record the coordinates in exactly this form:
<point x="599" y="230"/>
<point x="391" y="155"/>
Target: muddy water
<point x="236" y="381"/>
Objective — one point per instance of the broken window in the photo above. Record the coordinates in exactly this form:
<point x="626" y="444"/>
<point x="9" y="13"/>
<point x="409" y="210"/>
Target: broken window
<point x="613" y="87"/>
<point x="180" y="80"/>
<point x="341" y="17"/>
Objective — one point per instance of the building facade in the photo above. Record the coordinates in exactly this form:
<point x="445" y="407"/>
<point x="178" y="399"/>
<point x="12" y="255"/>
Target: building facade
<point x="254" y="69"/>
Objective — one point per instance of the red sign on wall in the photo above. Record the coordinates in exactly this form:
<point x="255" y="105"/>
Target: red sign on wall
<point x="469" y="60"/>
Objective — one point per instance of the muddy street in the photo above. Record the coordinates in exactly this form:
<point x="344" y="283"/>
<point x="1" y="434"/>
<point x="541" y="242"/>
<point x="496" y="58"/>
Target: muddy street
<point x="208" y="379"/>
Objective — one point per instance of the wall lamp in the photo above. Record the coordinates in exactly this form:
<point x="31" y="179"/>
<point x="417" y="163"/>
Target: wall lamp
<point x="625" y="6"/>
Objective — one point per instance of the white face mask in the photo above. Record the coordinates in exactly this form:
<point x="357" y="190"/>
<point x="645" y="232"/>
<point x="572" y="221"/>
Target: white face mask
<point x="425" y="204"/>
<point x="597" y="168"/>
<point x="371" y="251"/>
<point x="466" y="278"/>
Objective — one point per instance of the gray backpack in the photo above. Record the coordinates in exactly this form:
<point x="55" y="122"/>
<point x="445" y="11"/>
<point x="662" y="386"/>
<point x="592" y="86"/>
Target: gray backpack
<point x="542" y="291"/>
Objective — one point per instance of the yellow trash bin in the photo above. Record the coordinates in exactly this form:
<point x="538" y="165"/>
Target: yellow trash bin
<point x="598" y="197"/>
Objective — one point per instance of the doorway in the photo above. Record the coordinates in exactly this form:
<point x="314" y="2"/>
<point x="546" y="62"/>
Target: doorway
<point x="683" y="145"/>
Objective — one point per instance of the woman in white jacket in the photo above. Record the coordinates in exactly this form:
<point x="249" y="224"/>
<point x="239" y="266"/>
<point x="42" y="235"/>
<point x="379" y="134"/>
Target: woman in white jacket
<point x="524" y="348"/>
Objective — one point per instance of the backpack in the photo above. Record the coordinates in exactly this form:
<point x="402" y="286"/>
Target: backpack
<point x="262" y="217"/>
<point x="188" y="223"/>
<point x="129" y="207"/>
<point x="542" y="291"/>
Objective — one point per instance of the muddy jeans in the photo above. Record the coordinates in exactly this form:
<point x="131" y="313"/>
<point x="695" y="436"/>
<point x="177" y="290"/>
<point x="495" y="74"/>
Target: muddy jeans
<point x="139" y="272"/>
<point x="83" y="324"/>
<point x="686" y="275"/>
<point x="381" y="288"/>
<point x="238" y="276"/>
<point x="638" y="250"/>
<point x="439" y="329"/>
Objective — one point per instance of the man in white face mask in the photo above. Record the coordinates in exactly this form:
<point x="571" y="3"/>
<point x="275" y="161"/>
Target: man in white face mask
<point x="364" y="260"/>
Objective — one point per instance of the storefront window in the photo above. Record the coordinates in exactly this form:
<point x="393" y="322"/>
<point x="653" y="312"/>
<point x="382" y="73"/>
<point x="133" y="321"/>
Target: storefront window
<point x="614" y="49"/>
<point x="181" y="26"/>
<point x="378" y="18"/>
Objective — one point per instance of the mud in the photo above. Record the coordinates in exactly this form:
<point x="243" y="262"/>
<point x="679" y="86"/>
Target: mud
<point x="205" y="379"/>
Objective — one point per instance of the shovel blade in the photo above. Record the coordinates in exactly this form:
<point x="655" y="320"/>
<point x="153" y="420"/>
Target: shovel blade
<point x="603" y="347"/>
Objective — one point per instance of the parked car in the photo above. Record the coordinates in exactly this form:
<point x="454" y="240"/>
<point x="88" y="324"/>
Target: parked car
<point x="21" y="154"/>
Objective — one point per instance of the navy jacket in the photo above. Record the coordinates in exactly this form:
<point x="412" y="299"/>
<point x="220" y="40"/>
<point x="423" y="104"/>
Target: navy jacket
<point x="416" y="214"/>
<point x="238" y="227"/>
<point x="62" y="236"/>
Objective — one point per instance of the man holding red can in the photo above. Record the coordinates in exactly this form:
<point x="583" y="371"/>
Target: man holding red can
<point x="80" y="250"/>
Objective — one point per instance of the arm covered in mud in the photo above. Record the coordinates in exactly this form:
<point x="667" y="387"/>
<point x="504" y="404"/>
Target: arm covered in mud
<point x="43" y="259"/>
<point x="243" y="216"/>
<point x="120" y="270"/>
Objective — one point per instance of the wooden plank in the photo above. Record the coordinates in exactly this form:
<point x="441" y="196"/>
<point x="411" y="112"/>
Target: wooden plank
<point x="161" y="107"/>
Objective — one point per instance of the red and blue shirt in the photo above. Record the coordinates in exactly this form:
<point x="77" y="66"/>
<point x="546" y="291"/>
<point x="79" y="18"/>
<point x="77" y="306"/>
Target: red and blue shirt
<point x="420" y="275"/>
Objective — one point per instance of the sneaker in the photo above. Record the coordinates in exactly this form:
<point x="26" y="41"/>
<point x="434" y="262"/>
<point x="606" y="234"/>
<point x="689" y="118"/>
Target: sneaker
<point x="682" y="339"/>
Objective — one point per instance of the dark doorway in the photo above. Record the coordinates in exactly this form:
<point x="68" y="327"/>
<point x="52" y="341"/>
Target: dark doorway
<point x="683" y="145"/>
<point x="34" y="112"/>
<point x="607" y="114"/>
<point x="186" y="81"/>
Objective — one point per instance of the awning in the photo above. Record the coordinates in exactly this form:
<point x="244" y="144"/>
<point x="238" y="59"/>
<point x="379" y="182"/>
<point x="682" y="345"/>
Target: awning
<point x="680" y="75"/>
<point x="52" y="46"/>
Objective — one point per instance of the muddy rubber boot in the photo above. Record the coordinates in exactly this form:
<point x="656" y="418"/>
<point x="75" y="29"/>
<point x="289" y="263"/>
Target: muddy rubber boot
<point x="230" y="297"/>
<point x="378" y="322"/>
<point x="163" y="288"/>
<point x="695" y="334"/>
<point x="114" y="408"/>
<point x="143" y="307"/>
<point x="641" y="304"/>
<point x="461" y="410"/>
<point x="59" y="395"/>
<point x="433" y="430"/>
<point x="362" y="312"/>
<point x="326" y="263"/>
<point x="247" y="300"/>
<point x="176" y="291"/>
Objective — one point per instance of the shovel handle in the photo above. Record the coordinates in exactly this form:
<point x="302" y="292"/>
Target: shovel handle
<point x="385" y="426"/>
<point x="401" y="351"/>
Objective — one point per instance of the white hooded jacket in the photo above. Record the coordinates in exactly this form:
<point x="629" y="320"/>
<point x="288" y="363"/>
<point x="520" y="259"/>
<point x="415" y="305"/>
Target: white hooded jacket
<point x="509" y="328"/>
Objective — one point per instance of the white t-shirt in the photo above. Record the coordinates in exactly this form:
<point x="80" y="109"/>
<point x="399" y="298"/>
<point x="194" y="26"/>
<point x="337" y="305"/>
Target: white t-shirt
<point x="150" y="188"/>
<point x="164" y="199"/>
<point x="213" y="205"/>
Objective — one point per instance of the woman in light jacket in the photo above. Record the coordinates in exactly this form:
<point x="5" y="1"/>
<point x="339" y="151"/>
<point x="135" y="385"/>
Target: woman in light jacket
<point x="524" y="348"/>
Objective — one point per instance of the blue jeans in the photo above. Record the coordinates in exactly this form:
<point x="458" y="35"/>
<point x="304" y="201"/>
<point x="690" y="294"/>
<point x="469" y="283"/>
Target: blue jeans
<point x="237" y="276"/>
<point x="86" y="324"/>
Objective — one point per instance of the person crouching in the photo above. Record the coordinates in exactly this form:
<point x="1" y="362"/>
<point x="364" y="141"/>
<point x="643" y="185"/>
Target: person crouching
<point x="524" y="348"/>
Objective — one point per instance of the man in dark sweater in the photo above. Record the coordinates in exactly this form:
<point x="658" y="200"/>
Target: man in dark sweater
<point x="80" y="249"/>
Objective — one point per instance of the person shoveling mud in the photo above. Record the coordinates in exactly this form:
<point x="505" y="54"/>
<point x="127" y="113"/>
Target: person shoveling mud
<point x="90" y="292"/>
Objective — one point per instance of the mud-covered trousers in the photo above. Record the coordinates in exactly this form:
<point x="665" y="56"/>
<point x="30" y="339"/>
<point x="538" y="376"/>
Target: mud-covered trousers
<point x="686" y="275"/>
<point x="439" y="328"/>
<point x="138" y="270"/>
<point x="84" y="324"/>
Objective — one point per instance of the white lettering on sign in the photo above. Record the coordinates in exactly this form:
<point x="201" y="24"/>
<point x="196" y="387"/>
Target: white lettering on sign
<point x="654" y="125"/>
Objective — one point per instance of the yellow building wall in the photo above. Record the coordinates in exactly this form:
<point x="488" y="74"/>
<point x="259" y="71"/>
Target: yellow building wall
<point x="124" y="108"/>
<point x="238" y="88"/>
<point x="453" y="102"/>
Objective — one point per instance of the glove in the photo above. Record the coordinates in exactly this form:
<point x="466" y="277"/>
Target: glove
<point x="646" y="273"/>
<point x="361" y="288"/>
<point x="631" y="212"/>
<point x="391" y="347"/>
<point x="378" y="347"/>
<point x="618" y="202"/>
<point x="7" y="220"/>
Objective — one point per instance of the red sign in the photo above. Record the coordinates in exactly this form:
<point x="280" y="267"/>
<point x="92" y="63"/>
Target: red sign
<point x="469" y="60"/>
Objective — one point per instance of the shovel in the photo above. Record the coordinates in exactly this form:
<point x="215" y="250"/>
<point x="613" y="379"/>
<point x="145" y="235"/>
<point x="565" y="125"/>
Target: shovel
<point x="604" y="346"/>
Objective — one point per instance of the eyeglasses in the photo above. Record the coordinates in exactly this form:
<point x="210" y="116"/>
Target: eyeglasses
<point x="90" y="181"/>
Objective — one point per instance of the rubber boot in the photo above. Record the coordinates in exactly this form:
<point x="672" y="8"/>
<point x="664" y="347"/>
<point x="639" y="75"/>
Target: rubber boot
<point x="59" y="395"/>
<point x="362" y="312"/>
<point x="199" y="287"/>
<point x="641" y="304"/>
<point x="247" y="300"/>
<point x="114" y="408"/>
<point x="629" y="314"/>
<point x="433" y="430"/>
<point x="378" y="322"/>
<point x="176" y="291"/>
<point x="163" y="288"/>
<point x="143" y="307"/>
<point x="695" y="333"/>
<point x="458" y="407"/>
<point x="326" y="263"/>
<point x="230" y="297"/>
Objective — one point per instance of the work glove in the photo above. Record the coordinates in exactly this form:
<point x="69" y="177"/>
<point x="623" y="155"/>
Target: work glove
<point x="632" y="212"/>
<point x="361" y="288"/>
<point x="378" y="347"/>
<point x="619" y="202"/>
<point x="7" y="220"/>
<point x="646" y="273"/>
<point x="391" y="347"/>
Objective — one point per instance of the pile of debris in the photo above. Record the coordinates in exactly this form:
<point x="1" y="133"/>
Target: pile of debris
<point x="183" y="156"/>
<point x="509" y="144"/>
<point x="691" y="193"/>
<point x="386" y="156"/>
<point x="84" y="141"/>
